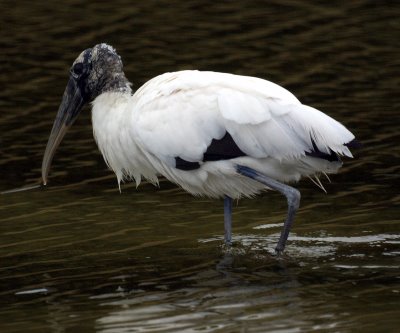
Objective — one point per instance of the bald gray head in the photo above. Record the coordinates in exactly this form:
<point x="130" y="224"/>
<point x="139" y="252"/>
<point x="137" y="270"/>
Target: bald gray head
<point x="95" y="71"/>
<point x="99" y="70"/>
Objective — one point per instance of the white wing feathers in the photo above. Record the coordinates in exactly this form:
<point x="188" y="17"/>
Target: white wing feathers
<point x="178" y="126"/>
<point x="179" y="114"/>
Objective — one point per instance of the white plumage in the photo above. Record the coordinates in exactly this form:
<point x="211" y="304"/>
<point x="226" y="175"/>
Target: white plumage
<point x="213" y="134"/>
<point x="180" y="113"/>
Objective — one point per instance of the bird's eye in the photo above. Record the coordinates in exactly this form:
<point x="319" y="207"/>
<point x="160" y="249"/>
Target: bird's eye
<point x="78" y="68"/>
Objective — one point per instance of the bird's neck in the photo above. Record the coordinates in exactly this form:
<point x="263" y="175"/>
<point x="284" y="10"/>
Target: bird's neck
<point x="118" y="83"/>
<point x="108" y="83"/>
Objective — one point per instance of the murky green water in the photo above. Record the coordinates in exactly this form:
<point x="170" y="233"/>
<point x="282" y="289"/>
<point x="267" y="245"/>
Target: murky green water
<point x="78" y="256"/>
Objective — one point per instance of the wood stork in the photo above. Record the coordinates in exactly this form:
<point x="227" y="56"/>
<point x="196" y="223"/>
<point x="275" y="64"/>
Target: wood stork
<point x="213" y="134"/>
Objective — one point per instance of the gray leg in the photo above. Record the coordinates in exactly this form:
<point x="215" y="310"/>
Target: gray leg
<point x="228" y="219"/>
<point x="292" y="195"/>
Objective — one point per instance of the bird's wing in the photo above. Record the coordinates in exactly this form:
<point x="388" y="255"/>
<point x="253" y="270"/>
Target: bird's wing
<point x="198" y="116"/>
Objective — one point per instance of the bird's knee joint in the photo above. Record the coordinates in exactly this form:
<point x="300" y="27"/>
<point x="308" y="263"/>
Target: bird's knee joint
<point x="294" y="198"/>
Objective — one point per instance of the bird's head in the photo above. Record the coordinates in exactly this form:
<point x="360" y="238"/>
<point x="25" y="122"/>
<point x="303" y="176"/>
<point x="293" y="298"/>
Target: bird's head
<point x="95" y="71"/>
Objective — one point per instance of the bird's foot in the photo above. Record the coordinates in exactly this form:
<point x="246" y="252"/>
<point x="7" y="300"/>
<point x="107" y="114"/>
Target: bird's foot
<point x="228" y="244"/>
<point x="279" y="251"/>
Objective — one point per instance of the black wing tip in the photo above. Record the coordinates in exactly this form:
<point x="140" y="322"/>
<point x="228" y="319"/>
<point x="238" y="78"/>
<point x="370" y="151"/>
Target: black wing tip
<point x="315" y="152"/>
<point x="223" y="149"/>
<point x="219" y="149"/>
<point x="354" y="144"/>
<point x="332" y="156"/>
<point x="182" y="164"/>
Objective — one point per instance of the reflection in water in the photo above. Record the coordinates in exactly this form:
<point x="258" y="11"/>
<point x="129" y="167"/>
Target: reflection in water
<point x="209" y="296"/>
<point x="77" y="255"/>
<point x="21" y="189"/>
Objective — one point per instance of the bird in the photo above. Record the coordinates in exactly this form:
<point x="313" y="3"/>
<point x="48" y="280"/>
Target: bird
<point x="214" y="134"/>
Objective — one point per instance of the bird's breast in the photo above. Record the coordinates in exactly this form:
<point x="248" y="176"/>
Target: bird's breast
<point x="114" y="131"/>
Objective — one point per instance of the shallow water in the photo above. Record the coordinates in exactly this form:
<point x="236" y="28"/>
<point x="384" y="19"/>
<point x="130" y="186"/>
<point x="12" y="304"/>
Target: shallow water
<point x="77" y="255"/>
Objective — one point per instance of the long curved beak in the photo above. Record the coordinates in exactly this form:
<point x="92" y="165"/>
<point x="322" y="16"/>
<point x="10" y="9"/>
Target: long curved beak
<point x="70" y="107"/>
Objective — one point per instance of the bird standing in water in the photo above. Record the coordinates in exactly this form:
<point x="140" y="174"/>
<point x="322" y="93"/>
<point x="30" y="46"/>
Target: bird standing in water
<point x="213" y="134"/>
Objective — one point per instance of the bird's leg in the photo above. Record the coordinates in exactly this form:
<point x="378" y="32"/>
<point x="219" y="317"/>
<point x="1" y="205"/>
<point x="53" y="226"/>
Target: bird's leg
<point x="292" y="195"/>
<point x="228" y="219"/>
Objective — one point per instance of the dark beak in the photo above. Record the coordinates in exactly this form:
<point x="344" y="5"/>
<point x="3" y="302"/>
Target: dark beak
<point x="68" y="111"/>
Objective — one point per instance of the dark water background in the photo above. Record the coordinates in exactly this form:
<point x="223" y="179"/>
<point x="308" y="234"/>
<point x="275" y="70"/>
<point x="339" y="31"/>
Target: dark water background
<point x="80" y="257"/>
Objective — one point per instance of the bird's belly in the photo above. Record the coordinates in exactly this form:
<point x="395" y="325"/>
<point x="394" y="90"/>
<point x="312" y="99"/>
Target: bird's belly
<point x="219" y="178"/>
<point x="213" y="179"/>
